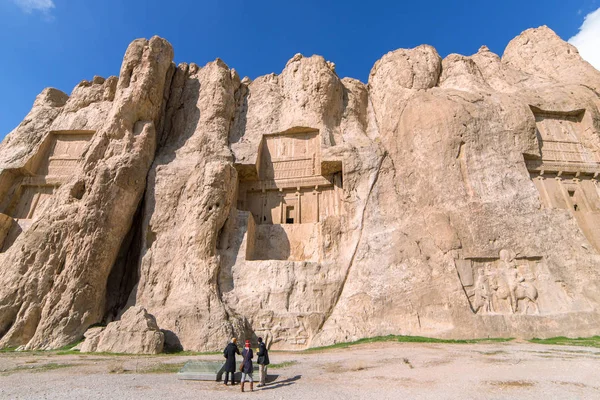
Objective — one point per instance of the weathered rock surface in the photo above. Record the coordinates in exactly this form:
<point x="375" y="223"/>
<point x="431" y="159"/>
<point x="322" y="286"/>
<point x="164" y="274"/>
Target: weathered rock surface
<point x="136" y="332"/>
<point x="91" y="339"/>
<point x="453" y="198"/>
<point x="72" y="188"/>
<point x="191" y="187"/>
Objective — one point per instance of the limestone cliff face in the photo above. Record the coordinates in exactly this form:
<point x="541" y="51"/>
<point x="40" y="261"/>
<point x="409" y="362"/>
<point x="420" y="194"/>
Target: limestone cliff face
<point x="453" y="198"/>
<point x="191" y="188"/>
<point x="69" y="195"/>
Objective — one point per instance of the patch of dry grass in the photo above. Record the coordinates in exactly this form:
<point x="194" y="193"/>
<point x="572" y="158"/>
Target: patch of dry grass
<point x="116" y="368"/>
<point x="437" y="363"/>
<point x="338" y="367"/>
<point x="576" y="384"/>
<point x="35" y="368"/>
<point x="162" y="368"/>
<point x="404" y="339"/>
<point x="283" y="364"/>
<point x="492" y="353"/>
<point x="496" y="360"/>
<point x="511" y="384"/>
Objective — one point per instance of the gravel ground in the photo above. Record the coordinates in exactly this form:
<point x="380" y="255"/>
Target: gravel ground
<point x="379" y="370"/>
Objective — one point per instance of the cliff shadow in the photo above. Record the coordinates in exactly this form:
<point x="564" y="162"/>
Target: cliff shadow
<point x="172" y="342"/>
<point x="249" y="241"/>
<point x="238" y="127"/>
<point x="14" y="232"/>
<point x="124" y="275"/>
<point x="269" y="242"/>
<point x="181" y="120"/>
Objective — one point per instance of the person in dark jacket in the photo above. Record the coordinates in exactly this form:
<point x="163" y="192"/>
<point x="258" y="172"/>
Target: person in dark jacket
<point x="247" y="367"/>
<point x="229" y="353"/>
<point x="263" y="361"/>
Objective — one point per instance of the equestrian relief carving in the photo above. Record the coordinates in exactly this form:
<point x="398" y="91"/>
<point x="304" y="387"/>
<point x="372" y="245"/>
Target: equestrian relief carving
<point x="506" y="285"/>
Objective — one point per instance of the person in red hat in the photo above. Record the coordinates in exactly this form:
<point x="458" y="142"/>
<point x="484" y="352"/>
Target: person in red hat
<point x="247" y="366"/>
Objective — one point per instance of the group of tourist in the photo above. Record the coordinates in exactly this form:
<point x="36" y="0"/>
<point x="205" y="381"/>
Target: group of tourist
<point x="246" y="366"/>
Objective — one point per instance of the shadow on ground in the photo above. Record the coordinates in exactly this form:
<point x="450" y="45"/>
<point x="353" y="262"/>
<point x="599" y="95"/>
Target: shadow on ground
<point x="272" y="384"/>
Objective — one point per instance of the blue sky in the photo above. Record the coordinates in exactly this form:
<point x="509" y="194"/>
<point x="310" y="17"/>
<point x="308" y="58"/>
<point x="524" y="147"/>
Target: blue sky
<point x="58" y="43"/>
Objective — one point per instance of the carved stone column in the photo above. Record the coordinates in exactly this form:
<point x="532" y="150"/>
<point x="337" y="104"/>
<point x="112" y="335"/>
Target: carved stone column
<point x="317" y="210"/>
<point x="299" y="214"/>
<point x="263" y="202"/>
<point x="281" y="207"/>
<point x="544" y="192"/>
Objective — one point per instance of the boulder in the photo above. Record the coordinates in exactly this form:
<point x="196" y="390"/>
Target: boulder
<point x="91" y="339"/>
<point x="135" y="333"/>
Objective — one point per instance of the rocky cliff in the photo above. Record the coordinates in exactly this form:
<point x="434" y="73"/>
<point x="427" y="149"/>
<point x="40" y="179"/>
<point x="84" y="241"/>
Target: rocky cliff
<point x="454" y="198"/>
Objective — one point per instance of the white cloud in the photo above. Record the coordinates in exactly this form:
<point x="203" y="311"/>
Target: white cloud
<point x="30" y="5"/>
<point x="587" y="40"/>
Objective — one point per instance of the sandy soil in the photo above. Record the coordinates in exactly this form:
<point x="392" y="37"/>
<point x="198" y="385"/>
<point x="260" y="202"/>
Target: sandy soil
<point x="373" y="371"/>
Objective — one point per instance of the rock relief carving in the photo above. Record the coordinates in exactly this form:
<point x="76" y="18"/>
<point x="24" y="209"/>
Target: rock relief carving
<point x="563" y="147"/>
<point x="289" y="186"/>
<point x="64" y="153"/>
<point x="35" y="183"/>
<point x="505" y="285"/>
<point x="566" y="174"/>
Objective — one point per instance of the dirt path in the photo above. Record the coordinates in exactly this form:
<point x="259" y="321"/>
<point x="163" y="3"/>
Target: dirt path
<point x="373" y="371"/>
